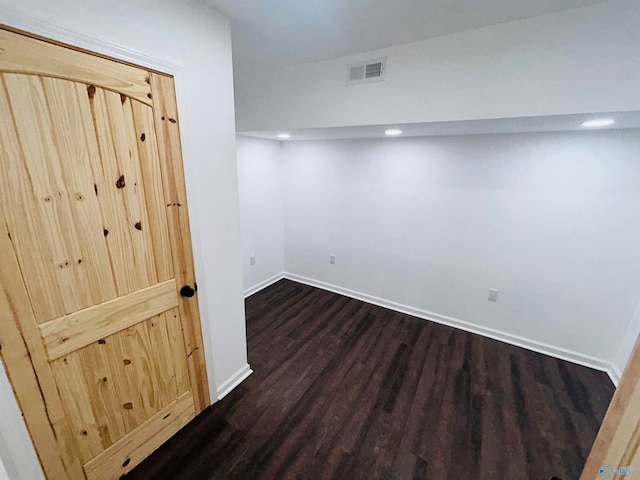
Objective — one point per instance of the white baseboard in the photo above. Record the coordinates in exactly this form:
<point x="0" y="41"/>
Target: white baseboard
<point x="262" y="285"/>
<point x="529" y="344"/>
<point x="614" y="374"/>
<point x="235" y="380"/>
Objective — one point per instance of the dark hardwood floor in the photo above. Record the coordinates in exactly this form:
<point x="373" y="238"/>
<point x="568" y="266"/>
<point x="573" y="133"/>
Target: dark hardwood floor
<point x="347" y="390"/>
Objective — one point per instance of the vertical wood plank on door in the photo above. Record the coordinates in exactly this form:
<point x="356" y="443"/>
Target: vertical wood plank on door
<point x="120" y="358"/>
<point x="111" y="378"/>
<point x="75" y="146"/>
<point x="34" y="125"/>
<point x="155" y="367"/>
<point x="134" y="352"/>
<point x="30" y="203"/>
<point x="105" y="387"/>
<point x="177" y="350"/>
<point x="144" y="355"/>
<point x="123" y="129"/>
<point x="164" y="369"/>
<point x="73" y="390"/>
<point x="618" y="441"/>
<point x="28" y="370"/>
<point x="167" y="131"/>
<point x="152" y="177"/>
<point x="118" y="229"/>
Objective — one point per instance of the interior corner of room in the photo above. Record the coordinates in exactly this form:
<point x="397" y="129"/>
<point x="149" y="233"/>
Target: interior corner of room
<point x="429" y="225"/>
<point x="415" y="231"/>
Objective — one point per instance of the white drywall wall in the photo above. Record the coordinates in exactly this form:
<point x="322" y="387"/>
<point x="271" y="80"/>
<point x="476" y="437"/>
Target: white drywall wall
<point x="197" y="39"/>
<point x="577" y="61"/>
<point x="261" y="208"/>
<point x="551" y="220"/>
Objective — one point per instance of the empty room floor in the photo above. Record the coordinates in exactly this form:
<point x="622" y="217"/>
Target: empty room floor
<point x="344" y="389"/>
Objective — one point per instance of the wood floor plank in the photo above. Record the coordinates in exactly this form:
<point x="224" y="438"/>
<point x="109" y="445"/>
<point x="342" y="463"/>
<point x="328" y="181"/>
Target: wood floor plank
<point x="345" y="389"/>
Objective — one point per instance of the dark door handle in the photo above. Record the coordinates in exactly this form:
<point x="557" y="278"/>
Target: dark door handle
<point x="187" y="291"/>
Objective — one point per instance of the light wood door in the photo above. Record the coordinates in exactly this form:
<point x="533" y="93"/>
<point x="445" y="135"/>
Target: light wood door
<point x="618" y="442"/>
<point x="99" y="326"/>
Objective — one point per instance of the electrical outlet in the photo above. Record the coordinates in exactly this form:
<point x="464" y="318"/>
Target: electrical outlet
<point x="493" y="295"/>
<point x="252" y="259"/>
<point x="332" y="259"/>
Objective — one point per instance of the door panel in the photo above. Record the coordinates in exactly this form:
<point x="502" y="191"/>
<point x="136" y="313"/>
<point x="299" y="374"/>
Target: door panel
<point x="34" y="204"/>
<point x="137" y="445"/>
<point x="126" y="222"/>
<point x="112" y="386"/>
<point x="109" y="362"/>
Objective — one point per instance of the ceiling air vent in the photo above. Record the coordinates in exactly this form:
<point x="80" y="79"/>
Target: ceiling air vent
<point x="366" y="72"/>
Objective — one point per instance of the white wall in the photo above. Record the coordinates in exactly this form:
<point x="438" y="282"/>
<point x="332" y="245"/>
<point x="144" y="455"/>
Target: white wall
<point x="261" y="209"/>
<point x="197" y="39"/>
<point x="577" y="61"/>
<point x="551" y="220"/>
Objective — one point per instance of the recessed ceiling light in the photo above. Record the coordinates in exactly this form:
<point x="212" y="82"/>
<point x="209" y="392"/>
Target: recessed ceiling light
<point x="601" y="122"/>
<point x="284" y="136"/>
<point x="393" y="131"/>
